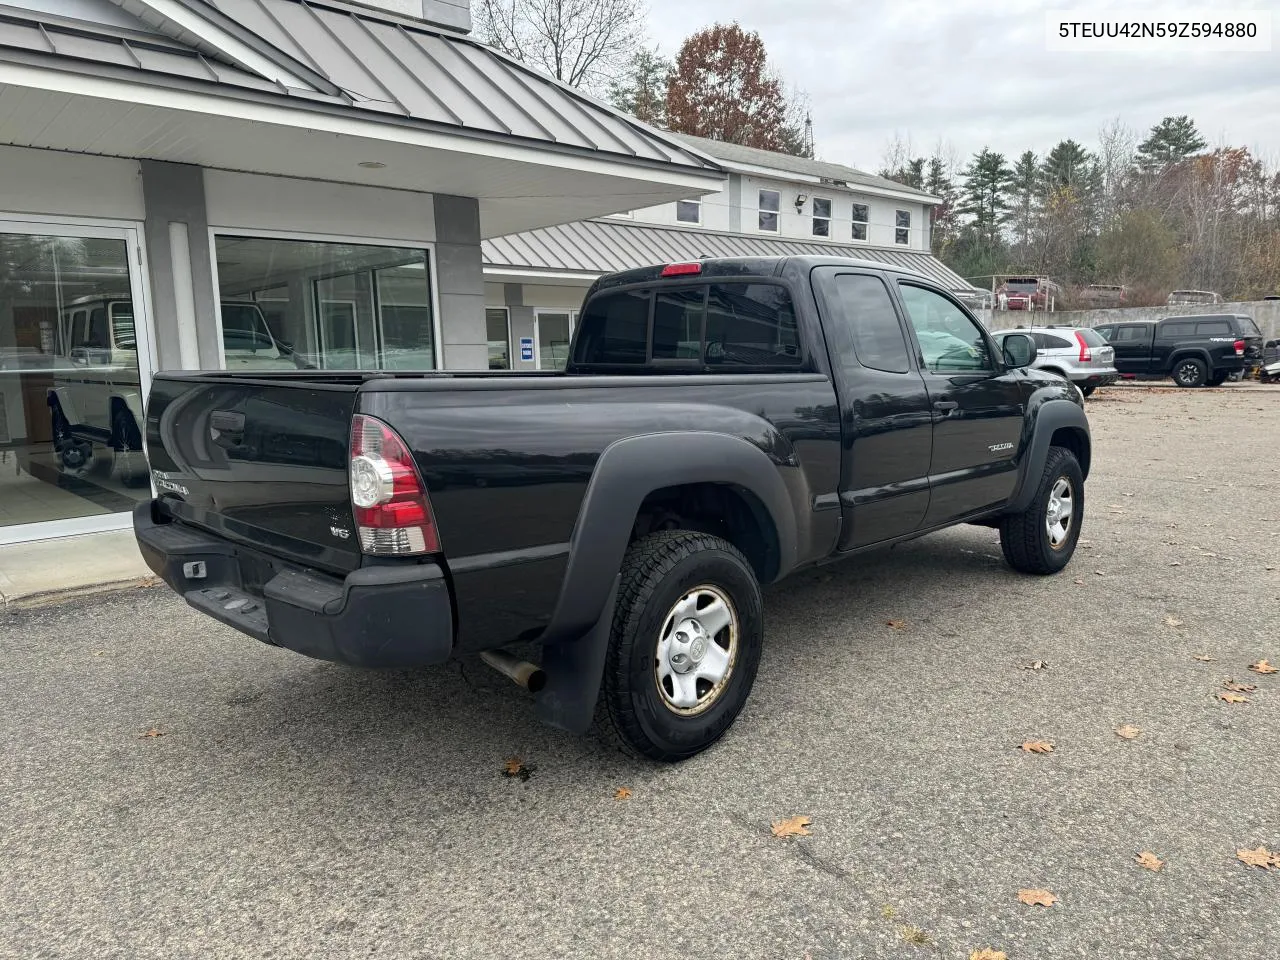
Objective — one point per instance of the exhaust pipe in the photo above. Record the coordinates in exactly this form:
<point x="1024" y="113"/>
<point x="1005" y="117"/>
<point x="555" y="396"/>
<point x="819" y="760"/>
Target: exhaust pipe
<point x="525" y="674"/>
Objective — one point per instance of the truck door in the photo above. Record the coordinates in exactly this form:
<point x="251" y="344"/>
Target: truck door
<point x="1132" y="342"/>
<point x="885" y="414"/>
<point x="977" y="406"/>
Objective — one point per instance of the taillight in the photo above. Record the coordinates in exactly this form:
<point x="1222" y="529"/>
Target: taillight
<point x="392" y="514"/>
<point x="681" y="269"/>
<point x="1085" y="353"/>
<point x="1239" y="345"/>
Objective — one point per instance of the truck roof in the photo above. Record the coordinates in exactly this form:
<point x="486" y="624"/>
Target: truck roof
<point x="723" y="267"/>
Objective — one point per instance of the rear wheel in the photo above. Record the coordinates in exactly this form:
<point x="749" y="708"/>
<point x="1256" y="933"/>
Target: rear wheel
<point x="128" y="442"/>
<point x="1190" y="373"/>
<point x="1042" y="538"/>
<point x="685" y="645"/>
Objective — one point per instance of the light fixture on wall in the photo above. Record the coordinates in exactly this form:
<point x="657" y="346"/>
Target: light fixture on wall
<point x="372" y="165"/>
<point x="801" y="199"/>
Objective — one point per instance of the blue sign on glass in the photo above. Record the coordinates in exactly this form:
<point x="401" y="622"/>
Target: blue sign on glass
<point x="526" y="349"/>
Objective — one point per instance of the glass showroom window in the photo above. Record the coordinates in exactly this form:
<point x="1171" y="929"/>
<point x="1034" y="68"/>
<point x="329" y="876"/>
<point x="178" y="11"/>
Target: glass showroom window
<point x="770" y="203"/>
<point x="902" y="227"/>
<point x="498" y="326"/>
<point x="861" y="217"/>
<point x="308" y="304"/>
<point x="71" y="385"/>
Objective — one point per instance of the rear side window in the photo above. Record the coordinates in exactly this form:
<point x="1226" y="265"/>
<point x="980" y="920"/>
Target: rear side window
<point x="1050" y="342"/>
<point x="751" y="324"/>
<point x="1131" y="333"/>
<point x="1104" y="332"/>
<point x="614" y="329"/>
<point x="1214" y="328"/>
<point x="1091" y="337"/>
<point x="877" y="335"/>
<point x="1247" y="327"/>
<point x="1182" y="328"/>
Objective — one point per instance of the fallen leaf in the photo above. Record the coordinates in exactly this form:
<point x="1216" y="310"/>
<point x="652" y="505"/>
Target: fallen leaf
<point x="896" y="624"/>
<point x="791" y="827"/>
<point x="1203" y="658"/>
<point x="1098" y="573"/>
<point x="153" y="732"/>
<point x="1034" y="665"/>
<point x="1127" y="732"/>
<point x="622" y="793"/>
<point x="1037" y="898"/>
<point x="1149" y="861"/>
<point x="1176" y="563"/>
<point x="1037" y="746"/>
<point x="1263" y="667"/>
<point x="1262" y="857"/>
<point x="1232" y="698"/>
<point x="515" y="767"/>
<point x="1239" y="687"/>
<point x="987" y="953"/>
<point x="1079" y="583"/>
<point x="1173" y="621"/>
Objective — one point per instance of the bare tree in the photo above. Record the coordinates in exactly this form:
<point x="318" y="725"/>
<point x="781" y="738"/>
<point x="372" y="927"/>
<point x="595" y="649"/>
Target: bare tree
<point x="584" y="43"/>
<point x="1117" y="150"/>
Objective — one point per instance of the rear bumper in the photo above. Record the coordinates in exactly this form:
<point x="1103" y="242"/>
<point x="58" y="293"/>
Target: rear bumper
<point x="1103" y="378"/>
<point x="381" y="616"/>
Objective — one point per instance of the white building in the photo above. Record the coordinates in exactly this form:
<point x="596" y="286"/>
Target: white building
<point x="771" y="204"/>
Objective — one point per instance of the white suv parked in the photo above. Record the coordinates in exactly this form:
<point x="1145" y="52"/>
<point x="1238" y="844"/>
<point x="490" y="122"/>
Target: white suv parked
<point x="1077" y="353"/>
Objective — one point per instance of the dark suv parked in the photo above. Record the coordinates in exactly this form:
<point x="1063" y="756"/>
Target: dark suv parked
<point x="1194" y="351"/>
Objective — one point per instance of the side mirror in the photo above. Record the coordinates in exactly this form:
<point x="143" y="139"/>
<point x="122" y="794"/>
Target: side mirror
<point x="1019" y="350"/>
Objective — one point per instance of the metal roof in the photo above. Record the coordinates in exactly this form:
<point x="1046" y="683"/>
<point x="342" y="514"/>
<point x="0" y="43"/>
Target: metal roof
<point x="606" y="246"/>
<point x="355" y="59"/>
<point x="785" y="162"/>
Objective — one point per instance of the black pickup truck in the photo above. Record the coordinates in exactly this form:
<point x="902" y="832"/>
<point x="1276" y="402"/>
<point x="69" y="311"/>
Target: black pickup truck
<point x="1195" y="351"/>
<point x="720" y="425"/>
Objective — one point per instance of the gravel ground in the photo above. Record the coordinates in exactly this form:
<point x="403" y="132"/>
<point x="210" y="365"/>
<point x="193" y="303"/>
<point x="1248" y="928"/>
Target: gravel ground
<point x="297" y="809"/>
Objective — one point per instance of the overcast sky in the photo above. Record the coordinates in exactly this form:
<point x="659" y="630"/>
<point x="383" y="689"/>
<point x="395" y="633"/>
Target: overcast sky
<point x="976" y="73"/>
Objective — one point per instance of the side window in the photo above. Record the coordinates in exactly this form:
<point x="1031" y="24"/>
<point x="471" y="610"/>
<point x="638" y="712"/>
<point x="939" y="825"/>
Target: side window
<point x="78" y="331"/>
<point x="1214" y="328"/>
<point x="99" y="335"/>
<point x="1054" y="343"/>
<point x="752" y="324"/>
<point x="614" y="329"/>
<point x="1104" y="332"/>
<point x="677" y="323"/>
<point x="877" y="335"/>
<point x="950" y="341"/>
<point x="1169" y="331"/>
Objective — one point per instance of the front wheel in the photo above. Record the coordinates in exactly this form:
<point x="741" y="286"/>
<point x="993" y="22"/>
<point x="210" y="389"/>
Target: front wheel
<point x="1190" y="373"/>
<point x="1088" y="390"/>
<point x="686" y="640"/>
<point x="1042" y="538"/>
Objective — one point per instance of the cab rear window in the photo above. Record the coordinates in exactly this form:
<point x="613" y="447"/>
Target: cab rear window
<point x="717" y="326"/>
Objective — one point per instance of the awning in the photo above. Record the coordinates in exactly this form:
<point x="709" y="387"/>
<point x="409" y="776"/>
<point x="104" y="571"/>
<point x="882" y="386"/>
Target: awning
<point x="605" y="246"/>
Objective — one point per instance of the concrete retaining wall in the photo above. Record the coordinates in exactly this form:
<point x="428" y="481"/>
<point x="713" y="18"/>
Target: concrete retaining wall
<point x="1265" y="313"/>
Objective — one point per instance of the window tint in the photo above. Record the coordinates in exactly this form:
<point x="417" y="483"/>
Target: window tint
<point x="1104" y="332"/>
<point x="1247" y="327"/>
<point x="689" y="211"/>
<point x="821" y="217"/>
<point x="950" y="341"/>
<point x="1091" y="337"/>
<point x="614" y="328"/>
<point x="769" y="205"/>
<point x="861" y="215"/>
<point x="1183" y="328"/>
<point x="122" y="326"/>
<point x="751" y="324"/>
<point x="677" y="323"/>
<point x="877" y="336"/>
<point x="98" y="334"/>
<point x="1053" y="343"/>
<point x="1131" y="333"/>
<point x="1214" y="328"/>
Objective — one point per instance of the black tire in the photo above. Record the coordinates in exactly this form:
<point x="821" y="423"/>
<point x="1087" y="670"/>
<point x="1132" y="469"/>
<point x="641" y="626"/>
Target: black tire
<point x="1024" y="536"/>
<point x="1088" y="391"/>
<point x="657" y="572"/>
<point x="1217" y="380"/>
<point x="1190" y="372"/>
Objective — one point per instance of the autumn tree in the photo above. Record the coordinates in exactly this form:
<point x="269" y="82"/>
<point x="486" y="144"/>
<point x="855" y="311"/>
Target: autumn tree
<point x="722" y="88"/>
<point x="641" y="90"/>
<point x="584" y="43"/>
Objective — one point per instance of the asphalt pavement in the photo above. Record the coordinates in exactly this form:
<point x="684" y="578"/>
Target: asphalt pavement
<point x="172" y="789"/>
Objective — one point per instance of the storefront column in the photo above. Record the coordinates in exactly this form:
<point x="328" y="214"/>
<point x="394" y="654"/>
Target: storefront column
<point x="179" y="266"/>
<point x="459" y="273"/>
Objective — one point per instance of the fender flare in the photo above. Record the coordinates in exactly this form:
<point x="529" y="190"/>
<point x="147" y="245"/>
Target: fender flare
<point x="576" y="639"/>
<point x="1198" y="353"/>
<point x="1051" y="416"/>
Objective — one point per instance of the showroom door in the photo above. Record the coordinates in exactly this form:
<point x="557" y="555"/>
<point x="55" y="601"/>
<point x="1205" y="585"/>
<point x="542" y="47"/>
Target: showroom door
<point x="75" y="366"/>
<point x="553" y="330"/>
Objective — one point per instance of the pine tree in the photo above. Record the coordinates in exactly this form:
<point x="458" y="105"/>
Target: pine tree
<point x="986" y="183"/>
<point x="1172" y="140"/>
<point x="642" y="88"/>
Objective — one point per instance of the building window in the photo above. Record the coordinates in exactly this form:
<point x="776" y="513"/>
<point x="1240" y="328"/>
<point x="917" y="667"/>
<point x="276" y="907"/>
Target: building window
<point x="821" y="217"/>
<point x="689" y="211"/>
<point x="861" y="215"/>
<point x="306" y="304"/>
<point x="625" y="215"/>
<point x="498" y="327"/>
<point x="902" y="227"/>
<point x="770" y="203"/>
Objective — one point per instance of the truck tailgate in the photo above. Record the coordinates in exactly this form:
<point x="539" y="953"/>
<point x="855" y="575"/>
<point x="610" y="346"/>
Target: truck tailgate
<point x="260" y="461"/>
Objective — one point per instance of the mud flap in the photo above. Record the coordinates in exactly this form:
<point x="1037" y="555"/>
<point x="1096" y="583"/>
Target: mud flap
<point x="575" y="669"/>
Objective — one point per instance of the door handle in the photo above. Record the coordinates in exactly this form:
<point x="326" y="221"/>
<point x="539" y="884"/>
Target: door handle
<point x="945" y="405"/>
